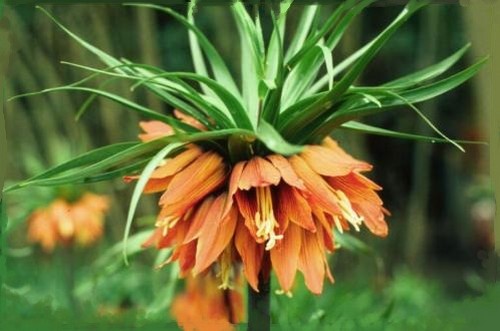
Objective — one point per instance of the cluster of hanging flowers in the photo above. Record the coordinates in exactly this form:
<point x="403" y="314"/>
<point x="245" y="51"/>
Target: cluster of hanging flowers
<point x="66" y="223"/>
<point x="268" y="212"/>
<point x="203" y="306"/>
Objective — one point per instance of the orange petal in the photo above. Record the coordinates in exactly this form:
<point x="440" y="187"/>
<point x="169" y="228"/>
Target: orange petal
<point x="295" y="207"/>
<point x="177" y="163"/>
<point x="285" y="256"/>
<point x="332" y="161"/>
<point x="157" y="185"/>
<point x="197" y="193"/>
<point x="203" y="173"/>
<point x="154" y="130"/>
<point x="198" y="220"/>
<point x="311" y="262"/>
<point x="328" y="240"/>
<point x="153" y="239"/>
<point x="251" y="254"/>
<point x="247" y="207"/>
<point x="233" y="184"/>
<point x="258" y="172"/>
<point x="320" y="190"/>
<point x="321" y="235"/>
<point x="153" y="185"/>
<point x="187" y="257"/>
<point x="189" y="120"/>
<point x="286" y="171"/>
<point x="215" y="235"/>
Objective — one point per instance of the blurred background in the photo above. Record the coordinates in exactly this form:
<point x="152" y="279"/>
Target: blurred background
<point x="441" y="200"/>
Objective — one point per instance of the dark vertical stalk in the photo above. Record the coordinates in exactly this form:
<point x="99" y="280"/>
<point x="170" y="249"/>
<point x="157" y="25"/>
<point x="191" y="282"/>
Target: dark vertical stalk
<point x="259" y="317"/>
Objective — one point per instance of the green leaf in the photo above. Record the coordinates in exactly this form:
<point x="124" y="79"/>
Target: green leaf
<point x="429" y="72"/>
<point x="139" y="187"/>
<point x="120" y="172"/>
<point x="82" y="160"/>
<point x="302" y="31"/>
<point x="369" y="129"/>
<point x="252" y="60"/>
<point x="406" y="81"/>
<point x="415" y="95"/>
<point x="221" y="116"/>
<point x="274" y="57"/>
<point x="309" y="60"/>
<point x="158" y="86"/>
<point x="323" y="126"/>
<point x="113" y="160"/>
<point x="106" y="58"/>
<point x="271" y="138"/>
<point x="237" y="111"/>
<point x="219" y="68"/>
<point x="125" y="102"/>
<point x="327" y="55"/>
<point x="196" y="54"/>
<point x="301" y="119"/>
<point x="325" y="28"/>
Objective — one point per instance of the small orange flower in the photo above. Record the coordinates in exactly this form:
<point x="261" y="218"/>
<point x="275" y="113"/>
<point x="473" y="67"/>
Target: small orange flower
<point x="65" y="223"/>
<point x="203" y="306"/>
<point x="214" y="214"/>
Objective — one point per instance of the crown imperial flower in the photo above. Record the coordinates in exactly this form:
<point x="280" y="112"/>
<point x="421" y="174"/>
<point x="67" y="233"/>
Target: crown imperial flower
<point x="213" y="217"/>
<point x="65" y="223"/>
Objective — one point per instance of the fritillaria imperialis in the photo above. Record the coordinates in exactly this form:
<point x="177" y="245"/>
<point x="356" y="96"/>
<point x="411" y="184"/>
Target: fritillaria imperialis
<point x="248" y="174"/>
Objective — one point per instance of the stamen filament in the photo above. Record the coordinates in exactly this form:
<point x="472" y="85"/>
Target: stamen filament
<point x="347" y="212"/>
<point x="264" y="218"/>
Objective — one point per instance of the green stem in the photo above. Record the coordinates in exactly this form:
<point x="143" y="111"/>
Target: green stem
<point x="259" y="317"/>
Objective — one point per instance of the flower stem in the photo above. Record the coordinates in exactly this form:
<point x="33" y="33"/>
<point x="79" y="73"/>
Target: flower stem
<point x="259" y="317"/>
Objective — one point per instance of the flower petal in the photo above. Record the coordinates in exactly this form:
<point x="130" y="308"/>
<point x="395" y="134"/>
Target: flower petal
<point x="332" y="161"/>
<point x="177" y="163"/>
<point x="154" y="130"/>
<point x="311" y="262"/>
<point x="198" y="220"/>
<point x="285" y="256"/>
<point x="320" y="190"/>
<point x="193" y="184"/>
<point x="258" y="172"/>
<point x="233" y="184"/>
<point x="189" y="120"/>
<point x="251" y="254"/>
<point x="215" y="235"/>
<point x="295" y="208"/>
<point x="247" y="207"/>
<point x="286" y="171"/>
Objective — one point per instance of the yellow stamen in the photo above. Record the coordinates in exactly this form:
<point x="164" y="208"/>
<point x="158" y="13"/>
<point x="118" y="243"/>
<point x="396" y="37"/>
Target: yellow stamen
<point x="347" y="211"/>
<point x="264" y="217"/>
<point x="167" y="223"/>
<point x="282" y="292"/>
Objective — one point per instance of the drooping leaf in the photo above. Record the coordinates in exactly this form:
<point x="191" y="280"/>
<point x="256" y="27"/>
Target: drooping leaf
<point x="221" y="72"/>
<point x="370" y="129"/>
<point x="85" y="159"/>
<point x="300" y="119"/>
